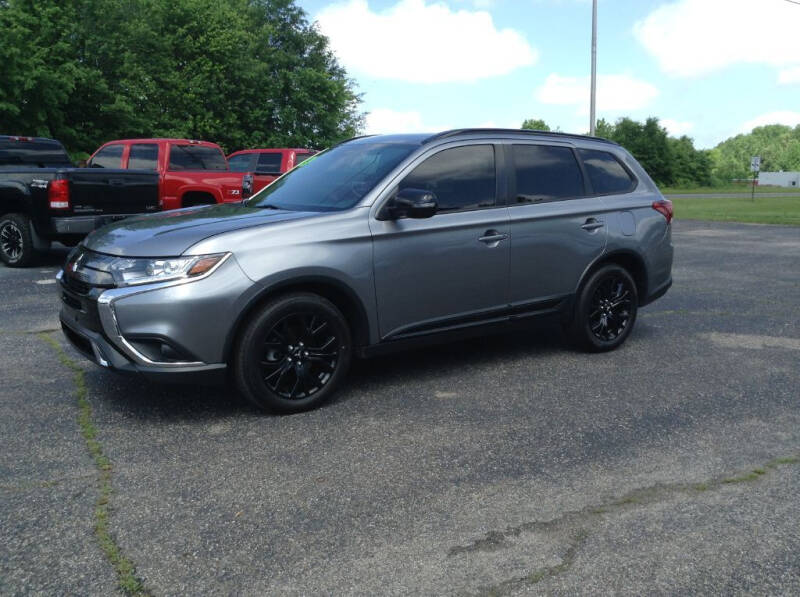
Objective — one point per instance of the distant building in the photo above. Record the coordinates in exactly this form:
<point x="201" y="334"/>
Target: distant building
<point x="779" y="179"/>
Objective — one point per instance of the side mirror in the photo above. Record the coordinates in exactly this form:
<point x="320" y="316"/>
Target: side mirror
<point x="413" y="203"/>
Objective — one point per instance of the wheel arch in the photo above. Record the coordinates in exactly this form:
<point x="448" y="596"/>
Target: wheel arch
<point x="199" y="195"/>
<point x="630" y="260"/>
<point x="338" y="293"/>
<point x="14" y="200"/>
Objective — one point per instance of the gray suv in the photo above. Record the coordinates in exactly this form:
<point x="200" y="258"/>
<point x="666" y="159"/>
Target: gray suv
<point x="378" y="243"/>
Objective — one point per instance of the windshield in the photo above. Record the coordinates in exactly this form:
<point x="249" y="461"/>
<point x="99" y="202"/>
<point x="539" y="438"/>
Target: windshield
<point x="333" y="180"/>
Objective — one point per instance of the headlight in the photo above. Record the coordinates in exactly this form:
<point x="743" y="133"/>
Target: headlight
<point x="132" y="271"/>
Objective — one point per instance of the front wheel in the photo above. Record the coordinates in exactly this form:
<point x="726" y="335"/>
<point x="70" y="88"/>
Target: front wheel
<point x="16" y="241"/>
<point x="292" y="354"/>
<point x="605" y="310"/>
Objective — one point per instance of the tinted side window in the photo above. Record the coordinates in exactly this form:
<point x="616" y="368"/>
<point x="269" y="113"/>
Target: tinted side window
<point x="143" y="156"/>
<point x="546" y="173"/>
<point x="269" y="163"/>
<point x="196" y="157"/>
<point x="242" y="162"/>
<point x="108" y="157"/>
<point x="301" y="157"/>
<point x="461" y="178"/>
<point x="605" y="172"/>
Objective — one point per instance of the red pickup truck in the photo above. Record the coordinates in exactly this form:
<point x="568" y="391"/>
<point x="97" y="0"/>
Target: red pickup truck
<point x="265" y="165"/>
<point x="189" y="172"/>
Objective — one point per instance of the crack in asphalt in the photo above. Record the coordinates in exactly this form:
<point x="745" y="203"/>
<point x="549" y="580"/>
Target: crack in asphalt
<point x="125" y="570"/>
<point x="575" y="522"/>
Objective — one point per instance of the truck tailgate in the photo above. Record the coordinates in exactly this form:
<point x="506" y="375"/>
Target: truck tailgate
<point x="103" y="191"/>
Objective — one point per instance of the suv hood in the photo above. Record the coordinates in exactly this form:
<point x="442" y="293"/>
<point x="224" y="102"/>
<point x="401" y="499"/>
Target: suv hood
<point x="170" y="233"/>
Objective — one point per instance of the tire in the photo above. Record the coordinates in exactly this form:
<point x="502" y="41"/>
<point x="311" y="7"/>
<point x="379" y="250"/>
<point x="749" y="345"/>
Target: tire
<point x="16" y="242"/>
<point x="292" y="354"/>
<point x="605" y="310"/>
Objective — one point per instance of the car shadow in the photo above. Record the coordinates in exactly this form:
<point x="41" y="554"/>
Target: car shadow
<point x="144" y="400"/>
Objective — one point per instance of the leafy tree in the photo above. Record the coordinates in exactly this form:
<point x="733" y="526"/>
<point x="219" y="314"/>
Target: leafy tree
<point x="778" y="146"/>
<point x="668" y="160"/>
<point x="604" y="129"/>
<point x="243" y="73"/>
<point x="535" y="124"/>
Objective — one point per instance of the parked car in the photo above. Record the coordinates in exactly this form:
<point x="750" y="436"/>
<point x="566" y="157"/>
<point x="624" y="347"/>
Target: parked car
<point x="190" y="172"/>
<point x="377" y="244"/>
<point x="265" y="165"/>
<point x="43" y="198"/>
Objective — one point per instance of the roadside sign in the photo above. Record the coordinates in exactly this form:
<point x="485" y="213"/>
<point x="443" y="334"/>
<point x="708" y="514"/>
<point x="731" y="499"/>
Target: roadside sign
<point x="755" y="163"/>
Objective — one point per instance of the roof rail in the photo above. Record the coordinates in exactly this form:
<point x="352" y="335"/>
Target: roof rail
<point x="458" y="132"/>
<point x="350" y="139"/>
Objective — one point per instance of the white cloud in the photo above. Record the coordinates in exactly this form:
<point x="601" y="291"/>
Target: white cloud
<point x="384" y="121"/>
<point x="615" y="93"/>
<point x="422" y="42"/>
<point x="676" y="128"/>
<point x="786" y="117"/>
<point x="789" y="76"/>
<point x="691" y="38"/>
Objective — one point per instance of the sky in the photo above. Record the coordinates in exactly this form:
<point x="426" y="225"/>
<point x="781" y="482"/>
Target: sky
<point x="709" y="69"/>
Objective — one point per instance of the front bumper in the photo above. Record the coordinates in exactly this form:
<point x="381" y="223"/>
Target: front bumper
<point x="100" y="351"/>
<point x="118" y="328"/>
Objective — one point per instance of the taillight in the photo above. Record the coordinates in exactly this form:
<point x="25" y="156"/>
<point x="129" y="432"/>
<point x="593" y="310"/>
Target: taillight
<point x="664" y="207"/>
<point x="58" y="194"/>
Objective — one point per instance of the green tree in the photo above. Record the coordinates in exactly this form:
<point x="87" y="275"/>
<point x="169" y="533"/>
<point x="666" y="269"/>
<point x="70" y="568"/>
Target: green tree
<point x="535" y="124"/>
<point x="776" y="144"/>
<point x="668" y="160"/>
<point x="243" y="73"/>
<point x="604" y="129"/>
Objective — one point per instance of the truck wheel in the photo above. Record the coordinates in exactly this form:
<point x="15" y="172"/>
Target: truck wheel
<point x="293" y="353"/>
<point x="16" y="243"/>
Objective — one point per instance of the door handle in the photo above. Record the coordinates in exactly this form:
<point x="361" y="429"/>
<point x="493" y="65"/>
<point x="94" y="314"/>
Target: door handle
<point x="592" y="224"/>
<point x="492" y="238"/>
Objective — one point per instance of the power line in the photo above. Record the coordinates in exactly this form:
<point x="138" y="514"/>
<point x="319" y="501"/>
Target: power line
<point x="793" y="2"/>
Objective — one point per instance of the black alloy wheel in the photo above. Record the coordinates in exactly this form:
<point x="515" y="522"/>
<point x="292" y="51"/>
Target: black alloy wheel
<point x="292" y="353"/>
<point x="611" y="308"/>
<point x="301" y="352"/>
<point x="16" y="243"/>
<point x="605" y="310"/>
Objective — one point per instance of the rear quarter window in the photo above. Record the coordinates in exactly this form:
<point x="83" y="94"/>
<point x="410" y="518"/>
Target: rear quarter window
<point x="606" y="173"/>
<point x="196" y="157"/>
<point x="269" y="163"/>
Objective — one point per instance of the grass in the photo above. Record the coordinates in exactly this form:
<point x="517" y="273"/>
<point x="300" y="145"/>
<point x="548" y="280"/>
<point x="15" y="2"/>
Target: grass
<point x="775" y="210"/>
<point x="124" y="568"/>
<point x="729" y="188"/>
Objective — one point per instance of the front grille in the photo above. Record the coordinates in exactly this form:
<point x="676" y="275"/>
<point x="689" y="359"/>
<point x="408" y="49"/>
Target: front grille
<point x="81" y="307"/>
<point x="79" y="342"/>
<point x="76" y="285"/>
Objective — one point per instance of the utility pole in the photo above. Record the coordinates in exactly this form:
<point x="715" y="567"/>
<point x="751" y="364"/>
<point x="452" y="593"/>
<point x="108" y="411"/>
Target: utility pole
<point x="593" y="100"/>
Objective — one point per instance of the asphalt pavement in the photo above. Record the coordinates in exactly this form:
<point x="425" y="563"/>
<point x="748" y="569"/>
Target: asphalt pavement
<point x="500" y="466"/>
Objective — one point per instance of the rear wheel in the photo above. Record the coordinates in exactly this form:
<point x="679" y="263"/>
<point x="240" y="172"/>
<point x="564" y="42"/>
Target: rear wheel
<point x="605" y="310"/>
<point x="293" y="353"/>
<point x="16" y="242"/>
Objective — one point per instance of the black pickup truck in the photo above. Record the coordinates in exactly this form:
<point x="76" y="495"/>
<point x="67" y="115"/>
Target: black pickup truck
<point x="43" y="198"/>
